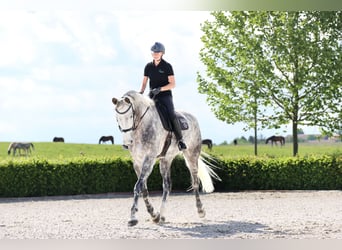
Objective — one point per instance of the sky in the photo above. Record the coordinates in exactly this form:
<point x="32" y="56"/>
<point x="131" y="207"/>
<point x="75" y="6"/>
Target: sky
<point x="59" y="70"/>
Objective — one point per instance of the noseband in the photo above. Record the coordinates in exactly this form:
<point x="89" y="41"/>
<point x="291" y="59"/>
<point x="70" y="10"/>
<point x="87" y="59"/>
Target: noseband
<point x="135" y="123"/>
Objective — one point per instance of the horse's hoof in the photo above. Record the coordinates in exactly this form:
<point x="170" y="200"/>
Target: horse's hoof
<point x="201" y="213"/>
<point x="132" y="222"/>
<point x="162" y="219"/>
<point x="156" y="218"/>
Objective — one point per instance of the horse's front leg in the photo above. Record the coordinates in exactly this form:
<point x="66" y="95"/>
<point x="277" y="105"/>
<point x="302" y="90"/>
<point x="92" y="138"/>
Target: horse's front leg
<point x="149" y="207"/>
<point x="137" y="190"/>
<point x="140" y="186"/>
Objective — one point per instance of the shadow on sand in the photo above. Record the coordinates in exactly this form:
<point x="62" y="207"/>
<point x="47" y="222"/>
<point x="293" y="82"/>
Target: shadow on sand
<point x="220" y="229"/>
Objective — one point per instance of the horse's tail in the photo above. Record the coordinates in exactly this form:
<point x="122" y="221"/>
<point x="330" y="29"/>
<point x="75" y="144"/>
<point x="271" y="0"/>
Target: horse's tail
<point x="32" y="145"/>
<point x="206" y="173"/>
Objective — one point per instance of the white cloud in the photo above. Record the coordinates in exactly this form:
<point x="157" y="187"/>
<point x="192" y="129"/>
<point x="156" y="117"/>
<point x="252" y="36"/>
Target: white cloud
<point x="14" y="44"/>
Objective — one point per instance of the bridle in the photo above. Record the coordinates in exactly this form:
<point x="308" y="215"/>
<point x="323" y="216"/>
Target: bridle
<point x="135" y="123"/>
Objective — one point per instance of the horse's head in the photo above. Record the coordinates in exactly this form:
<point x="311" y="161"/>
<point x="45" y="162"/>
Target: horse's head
<point x="130" y="109"/>
<point x="125" y="118"/>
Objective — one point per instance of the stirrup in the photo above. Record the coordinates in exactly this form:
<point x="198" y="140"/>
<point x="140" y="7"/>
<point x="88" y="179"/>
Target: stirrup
<point x="181" y="145"/>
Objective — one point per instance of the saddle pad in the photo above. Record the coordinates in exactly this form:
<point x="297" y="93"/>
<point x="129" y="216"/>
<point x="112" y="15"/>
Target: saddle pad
<point x="182" y="121"/>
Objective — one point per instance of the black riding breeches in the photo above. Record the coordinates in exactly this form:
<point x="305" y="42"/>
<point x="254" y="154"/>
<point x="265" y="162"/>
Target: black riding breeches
<point x="165" y="105"/>
<point x="167" y="102"/>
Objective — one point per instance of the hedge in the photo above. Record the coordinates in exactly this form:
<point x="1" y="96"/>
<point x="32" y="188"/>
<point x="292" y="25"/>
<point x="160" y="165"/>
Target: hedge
<point x="307" y="173"/>
<point x="38" y="177"/>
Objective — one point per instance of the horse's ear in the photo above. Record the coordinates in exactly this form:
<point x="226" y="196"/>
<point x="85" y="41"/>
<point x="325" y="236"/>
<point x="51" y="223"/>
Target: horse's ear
<point x="114" y="101"/>
<point x="127" y="100"/>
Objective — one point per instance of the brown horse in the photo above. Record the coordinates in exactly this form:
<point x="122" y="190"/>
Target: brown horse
<point x="275" y="139"/>
<point x="106" y="138"/>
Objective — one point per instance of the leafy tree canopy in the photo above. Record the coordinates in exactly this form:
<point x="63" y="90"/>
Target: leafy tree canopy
<point x="281" y="66"/>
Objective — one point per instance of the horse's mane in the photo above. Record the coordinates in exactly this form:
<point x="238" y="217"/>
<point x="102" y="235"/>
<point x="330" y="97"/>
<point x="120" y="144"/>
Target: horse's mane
<point x="139" y="98"/>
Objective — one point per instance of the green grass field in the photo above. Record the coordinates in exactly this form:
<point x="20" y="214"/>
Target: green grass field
<point x="56" y="151"/>
<point x="305" y="149"/>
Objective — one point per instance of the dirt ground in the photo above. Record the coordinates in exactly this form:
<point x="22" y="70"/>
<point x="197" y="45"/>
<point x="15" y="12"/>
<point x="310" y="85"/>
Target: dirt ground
<point x="240" y="215"/>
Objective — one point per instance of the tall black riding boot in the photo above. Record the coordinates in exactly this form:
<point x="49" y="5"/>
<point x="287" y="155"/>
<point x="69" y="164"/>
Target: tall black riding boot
<point x="178" y="133"/>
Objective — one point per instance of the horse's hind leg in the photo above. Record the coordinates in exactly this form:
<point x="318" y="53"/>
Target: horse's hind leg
<point x="199" y="205"/>
<point x="192" y="164"/>
<point x="164" y="167"/>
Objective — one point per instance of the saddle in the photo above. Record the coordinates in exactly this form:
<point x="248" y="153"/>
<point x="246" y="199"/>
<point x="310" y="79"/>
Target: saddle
<point x="162" y="111"/>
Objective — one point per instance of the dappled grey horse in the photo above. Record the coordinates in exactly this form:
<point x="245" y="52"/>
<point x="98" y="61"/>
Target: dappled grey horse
<point x="19" y="146"/>
<point x="144" y="136"/>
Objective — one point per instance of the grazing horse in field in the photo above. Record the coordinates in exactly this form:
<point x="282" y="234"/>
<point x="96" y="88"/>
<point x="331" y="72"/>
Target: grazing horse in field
<point x="19" y="146"/>
<point x="275" y="139"/>
<point x="58" y="139"/>
<point x="208" y="142"/>
<point x="145" y="137"/>
<point x="106" y="138"/>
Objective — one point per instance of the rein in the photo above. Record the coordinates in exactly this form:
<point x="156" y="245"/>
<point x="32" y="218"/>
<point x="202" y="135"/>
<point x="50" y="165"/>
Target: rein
<point x="134" y="123"/>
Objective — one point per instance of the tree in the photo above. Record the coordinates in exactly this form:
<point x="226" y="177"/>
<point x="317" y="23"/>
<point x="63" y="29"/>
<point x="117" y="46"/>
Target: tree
<point x="274" y="68"/>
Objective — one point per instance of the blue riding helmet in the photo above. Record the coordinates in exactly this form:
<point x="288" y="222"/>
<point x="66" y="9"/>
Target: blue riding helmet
<point x="158" y="47"/>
